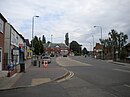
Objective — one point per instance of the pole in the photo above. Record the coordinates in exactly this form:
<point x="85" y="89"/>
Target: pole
<point x="101" y="39"/>
<point x="93" y="45"/>
<point x="90" y="46"/>
<point x="51" y="38"/>
<point x="101" y="32"/>
<point x="32" y="29"/>
<point x="32" y="36"/>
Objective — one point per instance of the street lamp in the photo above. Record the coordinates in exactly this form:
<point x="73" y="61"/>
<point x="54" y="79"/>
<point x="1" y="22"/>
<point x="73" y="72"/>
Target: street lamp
<point x="102" y="52"/>
<point x="90" y="46"/>
<point x="33" y="27"/>
<point x="93" y="40"/>
<point x="32" y="37"/>
<point x="100" y="29"/>
<point x="93" y="45"/>
<point x="51" y="38"/>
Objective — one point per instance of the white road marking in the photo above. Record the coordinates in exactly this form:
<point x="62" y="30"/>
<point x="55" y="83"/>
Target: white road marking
<point x="39" y="81"/>
<point x="14" y="75"/>
<point x="70" y="62"/>
<point x="122" y="70"/>
<point x="126" y="66"/>
<point x="127" y="85"/>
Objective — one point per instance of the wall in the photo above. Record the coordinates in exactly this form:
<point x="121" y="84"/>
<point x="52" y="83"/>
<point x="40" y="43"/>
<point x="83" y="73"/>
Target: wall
<point x="2" y="42"/>
<point x="7" y="43"/>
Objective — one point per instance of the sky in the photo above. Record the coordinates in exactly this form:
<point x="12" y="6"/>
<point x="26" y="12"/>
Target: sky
<point x="76" y="17"/>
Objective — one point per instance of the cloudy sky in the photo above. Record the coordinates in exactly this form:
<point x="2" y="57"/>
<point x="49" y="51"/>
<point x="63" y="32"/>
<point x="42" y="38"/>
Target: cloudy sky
<point x="77" y="17"/>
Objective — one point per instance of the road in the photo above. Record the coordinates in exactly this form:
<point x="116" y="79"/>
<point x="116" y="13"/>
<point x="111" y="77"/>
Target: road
<point x="92" y="78"/>
<point x="107" y="79"/>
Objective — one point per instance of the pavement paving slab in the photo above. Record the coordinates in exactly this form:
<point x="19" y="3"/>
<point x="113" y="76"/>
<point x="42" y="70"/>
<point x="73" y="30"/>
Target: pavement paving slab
<point x="33" y="76"/>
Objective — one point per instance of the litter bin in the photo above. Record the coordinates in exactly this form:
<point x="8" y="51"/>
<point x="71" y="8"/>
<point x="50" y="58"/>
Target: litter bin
<point x="35" y="63"/>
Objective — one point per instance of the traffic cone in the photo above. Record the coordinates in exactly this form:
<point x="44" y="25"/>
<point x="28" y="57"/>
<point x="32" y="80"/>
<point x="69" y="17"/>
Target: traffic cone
<point x="45" y="64"/>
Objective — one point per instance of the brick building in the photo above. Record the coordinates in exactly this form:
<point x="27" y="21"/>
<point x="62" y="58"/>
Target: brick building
<point x="2" y="31"/>
<point x="56" y="49"/>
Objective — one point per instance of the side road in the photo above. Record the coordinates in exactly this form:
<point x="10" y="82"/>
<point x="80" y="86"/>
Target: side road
<point x="34" y="75"/>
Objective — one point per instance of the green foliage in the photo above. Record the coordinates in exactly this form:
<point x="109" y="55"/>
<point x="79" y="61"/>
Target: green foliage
<point x="123" y="54"/>
<point x="115" y="42"/>
<point x="75" y="47"/>
<point x="43" y="39"/>
<point x="67" y="39"/>
<point x="85" y="51"/>
<point x="37" y="45"/>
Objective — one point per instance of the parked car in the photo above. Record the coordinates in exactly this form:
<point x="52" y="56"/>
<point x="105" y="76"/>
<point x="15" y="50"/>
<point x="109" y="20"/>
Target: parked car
<point x="47" y="58"/>
<point x="64" y="55"/>
<point x="52" y="55"/>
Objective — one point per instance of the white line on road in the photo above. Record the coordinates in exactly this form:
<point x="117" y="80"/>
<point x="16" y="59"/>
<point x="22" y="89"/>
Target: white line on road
<point x="122" y="70"/>
<point x="70" y="62"/>
<point x="127" y="85"/>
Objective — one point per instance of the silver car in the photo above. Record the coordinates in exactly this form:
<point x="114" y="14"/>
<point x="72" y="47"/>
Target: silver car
<point x="46" y="58"/>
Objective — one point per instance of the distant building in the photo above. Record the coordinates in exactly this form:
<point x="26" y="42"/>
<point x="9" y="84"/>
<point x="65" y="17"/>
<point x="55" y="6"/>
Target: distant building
<point x="97" y="50"/>
<point x="56" y="48"/>
<point x="102" y="52"/>
<point x="128" y="49"/>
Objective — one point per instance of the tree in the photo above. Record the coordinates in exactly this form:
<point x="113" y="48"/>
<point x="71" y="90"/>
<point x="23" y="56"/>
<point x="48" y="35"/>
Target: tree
<point x="37" y="45"/>
<point x="43" y="39"/>
<point x="41" y="49"/>
<point x="117" y="42"/>
<point x="85" y="51"/>
<point x="121" y="42"/>
<point x="114" y="41"/>
<point x="67" y="39"/>
<point x="75" y="47"/>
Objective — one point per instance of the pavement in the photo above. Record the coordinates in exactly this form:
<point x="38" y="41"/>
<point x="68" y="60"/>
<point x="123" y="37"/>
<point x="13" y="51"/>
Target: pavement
<point x="34" y="76"/>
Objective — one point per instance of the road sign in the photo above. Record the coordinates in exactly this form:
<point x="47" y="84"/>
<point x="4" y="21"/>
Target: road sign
<point x="16" y="52"/>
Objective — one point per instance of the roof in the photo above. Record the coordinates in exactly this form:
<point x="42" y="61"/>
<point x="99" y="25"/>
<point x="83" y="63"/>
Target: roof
<point x="53" y="45"/>
<point x="21" y="36"/>
<point x="128" y="45"/>
<point x="2" y="17"/>
<point x="98" y="46"/>
<point x="27" y="42"/>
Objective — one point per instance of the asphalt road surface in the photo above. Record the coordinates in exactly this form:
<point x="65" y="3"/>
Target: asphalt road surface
<point x="92" y="78"/>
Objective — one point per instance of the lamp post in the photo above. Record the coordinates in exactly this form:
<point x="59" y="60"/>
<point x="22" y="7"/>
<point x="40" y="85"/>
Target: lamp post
<point x="100" y="29"/>
<point x="93" y="45"/>
<point x="32" y="37"/>
<point x="102" y="52"/>
<point x="33" y="28"/>
<point x="90" y="52"/>
<point x="90" y="46"/>
<point x="51" y="38"/>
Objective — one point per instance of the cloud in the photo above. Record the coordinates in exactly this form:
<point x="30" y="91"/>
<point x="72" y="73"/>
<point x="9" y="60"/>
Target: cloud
<point x="77" y="17"/>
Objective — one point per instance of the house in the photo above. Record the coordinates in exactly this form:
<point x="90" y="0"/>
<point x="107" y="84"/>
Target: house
<point x="97" y="50"/>
<point x="2" y="32"/>
<point x="12" y="42"/>
<point x="28" y="52"/>
<point x="128" y="49"/>
<point x="56" y="48"/>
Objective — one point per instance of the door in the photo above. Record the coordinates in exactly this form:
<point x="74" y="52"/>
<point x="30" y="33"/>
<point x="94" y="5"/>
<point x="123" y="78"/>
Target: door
<point x="0" y="59"/>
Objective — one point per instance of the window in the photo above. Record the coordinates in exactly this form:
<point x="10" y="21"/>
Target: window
<point x="1" y="25"/>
